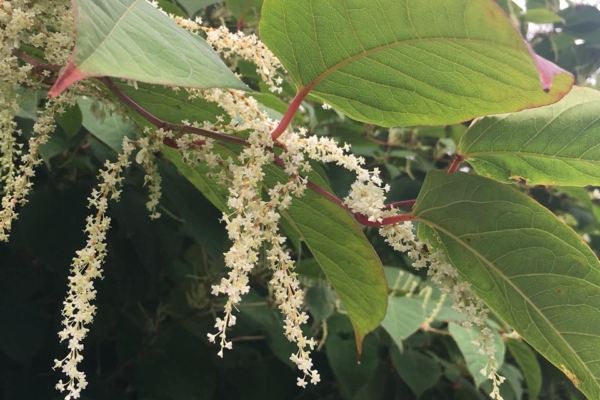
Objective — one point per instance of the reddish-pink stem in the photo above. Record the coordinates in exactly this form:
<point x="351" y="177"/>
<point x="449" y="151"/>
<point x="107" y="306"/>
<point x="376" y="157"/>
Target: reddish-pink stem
<point x="359" y="217"/>
<point x="400" y="204"/>
<point x="291" y="111"/>
<point x="455" y="164"/>
<point x="159" y="123"/>
<point x="385" y="221"/>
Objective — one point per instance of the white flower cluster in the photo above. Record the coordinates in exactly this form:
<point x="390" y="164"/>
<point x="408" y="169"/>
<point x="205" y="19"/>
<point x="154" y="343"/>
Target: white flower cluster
<point x="402" y="238"/>
<point x="78" y="310"/>
<point x="253" y="222"/>
<point x="249" y="48"/>
<point x="34" y="24"/>
<point x="150" y="144"/>
<point x="230" y="45"/>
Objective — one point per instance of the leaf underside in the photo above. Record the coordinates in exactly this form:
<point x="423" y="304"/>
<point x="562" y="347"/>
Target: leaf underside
<point x="554" y="145"/>
<point x="130" y="39"/>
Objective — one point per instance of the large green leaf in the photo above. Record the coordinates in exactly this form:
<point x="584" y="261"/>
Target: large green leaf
<point x="553" y="145"/>
<point x="407" y="62"/>
<point x="528" y="267"/>
<point x="130" y="39"/>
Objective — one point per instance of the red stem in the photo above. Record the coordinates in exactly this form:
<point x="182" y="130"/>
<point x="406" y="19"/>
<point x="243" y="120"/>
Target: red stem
<point x="399" y="204"/>
<point x="455" y="164"/>
<point x="359" y="217"/>
<point x="291" y="111"/>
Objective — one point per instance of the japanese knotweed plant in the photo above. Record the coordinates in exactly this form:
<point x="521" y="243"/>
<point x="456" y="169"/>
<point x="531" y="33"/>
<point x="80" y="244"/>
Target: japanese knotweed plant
<point x="486" y="245"/>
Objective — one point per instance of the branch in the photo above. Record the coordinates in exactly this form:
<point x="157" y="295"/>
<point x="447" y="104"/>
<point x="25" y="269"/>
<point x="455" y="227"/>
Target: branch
<point x="455" y="164"/>
<point x="159" y="123"/>
<point x="291" y="111"/>
<point x="39" y="65"/>
<point x="400" y="204"/>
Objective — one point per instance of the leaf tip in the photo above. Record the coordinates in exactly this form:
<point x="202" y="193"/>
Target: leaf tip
<point x="359" y="344"/>
<point x="69" y="76"/>
<point x="547" y="70"/>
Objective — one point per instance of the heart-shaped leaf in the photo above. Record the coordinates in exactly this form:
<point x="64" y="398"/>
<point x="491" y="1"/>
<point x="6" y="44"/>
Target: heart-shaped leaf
<point x="553" y="145"/>
<point x="529" y="267"/>
<point x="130" y="39"/>
<point x="407" y="62"/>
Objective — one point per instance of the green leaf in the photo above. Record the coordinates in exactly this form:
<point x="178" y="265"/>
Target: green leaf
<point x="344" y="359"/>
<point x="70" y="121"/>
<point x="320" y="302"/>
<point x="402" y="62"/>
<point x="418" y="371"/>
<point x="130" y="39"/>
<point x="171" y="8"/>
<point x="553" y="145"/>
<point x="475" y="361"/>
<point x="175" y="107"/>
<point x="177" y="367"/>
<point x="198" y="216"/>
<point x="531" y="269"/>
<point x="210" y="187"/>
<point x="110" y="130"/>
<point x="193" y="6"/>
<point x="527" y="361"/>
<point x="541" y="16"/>
<point x="504" y="4"/>
<point x="28" y="102"/>
<point x="239" y="8"/>
<point x="172" y="105"/>
<point x="404" y="317"/>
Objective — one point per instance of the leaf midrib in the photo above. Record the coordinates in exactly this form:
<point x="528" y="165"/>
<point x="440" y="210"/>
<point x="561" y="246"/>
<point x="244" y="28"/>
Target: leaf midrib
<point x="516" y="288"/>
<point x="367" y="53"/>
<point x="483" y="154"/>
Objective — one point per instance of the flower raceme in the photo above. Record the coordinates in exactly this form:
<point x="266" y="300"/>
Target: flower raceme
<point x="253" y="213"/>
